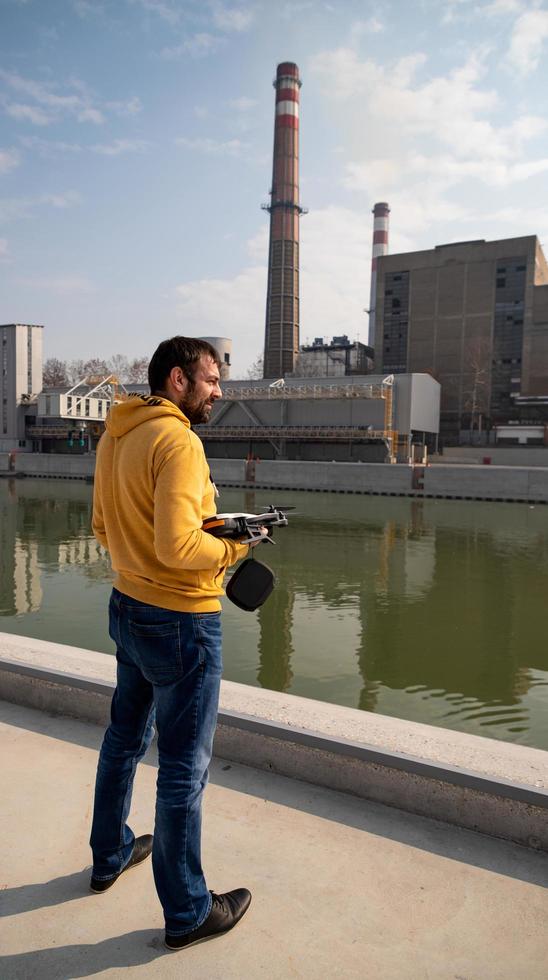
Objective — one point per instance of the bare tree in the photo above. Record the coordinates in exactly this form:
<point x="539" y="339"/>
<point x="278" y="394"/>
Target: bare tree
<point x="476" y="380"/>
<point x="75" y="371"/>
<point x="255" y="371"/>
<point x="119" y="365"/>
<point x="138" y="371"/>
<point x="54" y="374"/>
<point x="96" y="366"/>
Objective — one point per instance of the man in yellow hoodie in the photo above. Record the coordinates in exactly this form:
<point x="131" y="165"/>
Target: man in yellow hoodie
<point x="152" y="491"/>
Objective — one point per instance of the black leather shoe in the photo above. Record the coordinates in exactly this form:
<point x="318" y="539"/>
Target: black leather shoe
<point x="141" y="850"/>
<point x="226" y="911"/>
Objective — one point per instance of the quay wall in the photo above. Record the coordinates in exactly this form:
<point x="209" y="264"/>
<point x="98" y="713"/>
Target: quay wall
<point x="460" y="482"/>
<point x="480" y="784"/>
<point x="528" y="484"/>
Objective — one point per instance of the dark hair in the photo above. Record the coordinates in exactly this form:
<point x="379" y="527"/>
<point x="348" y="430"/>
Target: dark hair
<point x="183" y="352"/>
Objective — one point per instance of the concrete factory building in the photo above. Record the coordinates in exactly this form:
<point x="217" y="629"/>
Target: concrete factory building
<point x="475" y="316"/>
<point x="20" y="380"/>
<point x="368" y="419"/>
<point x="333" y="360"/>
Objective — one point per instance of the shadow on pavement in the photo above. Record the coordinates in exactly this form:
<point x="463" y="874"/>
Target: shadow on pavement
<point x="454" y="843"/>
<point x="44" y="894"/>
<point x="85" y="959"/>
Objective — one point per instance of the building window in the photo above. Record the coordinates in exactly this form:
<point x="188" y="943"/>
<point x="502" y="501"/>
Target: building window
<point x="69" y="403"/>
<point x="100" y="409"/>
<point x="87" y="407"/>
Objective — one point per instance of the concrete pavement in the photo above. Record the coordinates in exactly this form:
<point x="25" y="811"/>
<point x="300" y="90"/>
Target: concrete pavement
<point x="342" y="887"/>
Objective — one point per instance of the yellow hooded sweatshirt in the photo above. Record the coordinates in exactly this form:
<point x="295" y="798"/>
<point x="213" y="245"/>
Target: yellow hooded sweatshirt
<point x="152" y="491"/>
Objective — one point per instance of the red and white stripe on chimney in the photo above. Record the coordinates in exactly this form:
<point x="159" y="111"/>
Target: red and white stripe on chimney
<point x="380" y="247"/>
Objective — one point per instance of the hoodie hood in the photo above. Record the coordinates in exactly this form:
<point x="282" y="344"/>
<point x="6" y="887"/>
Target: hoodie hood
<point x="138" y="409"/>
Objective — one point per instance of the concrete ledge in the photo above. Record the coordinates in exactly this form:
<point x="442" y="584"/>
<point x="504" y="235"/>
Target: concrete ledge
<point x="493" y="787"/>
<point x="516" y="484"/>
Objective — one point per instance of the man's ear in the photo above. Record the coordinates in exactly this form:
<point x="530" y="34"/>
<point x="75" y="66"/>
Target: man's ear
<point x="178" y="379"/>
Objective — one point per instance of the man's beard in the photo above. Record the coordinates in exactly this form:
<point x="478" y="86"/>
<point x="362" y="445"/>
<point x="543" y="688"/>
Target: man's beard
<point x="197" y="410"/>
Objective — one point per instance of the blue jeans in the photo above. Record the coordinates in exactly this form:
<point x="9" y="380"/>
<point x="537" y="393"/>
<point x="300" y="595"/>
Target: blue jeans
<point x="169" y="671"/>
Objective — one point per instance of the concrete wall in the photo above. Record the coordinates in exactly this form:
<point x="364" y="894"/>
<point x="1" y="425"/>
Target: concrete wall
<point x="80" y="467"/>
<point x="459" y="482"/>
<point x="481" y="784"/>
<point x="486" y="482"/>
<point x="499" y="455"/>
<point x="526" y="484"/>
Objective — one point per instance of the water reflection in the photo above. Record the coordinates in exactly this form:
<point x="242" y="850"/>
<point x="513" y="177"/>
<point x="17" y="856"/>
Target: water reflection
<point x="44" y="527"/>
<point x="428" y="610"/>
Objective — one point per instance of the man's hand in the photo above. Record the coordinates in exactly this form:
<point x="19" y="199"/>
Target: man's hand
<point x="264" y="534"/>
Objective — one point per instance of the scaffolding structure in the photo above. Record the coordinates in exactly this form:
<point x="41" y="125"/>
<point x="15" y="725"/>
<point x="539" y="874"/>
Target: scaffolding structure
<point x="281" y="391"/>
<point x="108" y="387"/>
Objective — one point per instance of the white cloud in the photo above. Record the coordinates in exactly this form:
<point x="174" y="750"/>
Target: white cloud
<point x="89" y="114"/>
<point x="438" y="129"/>
<point x="4" y="251"/>
<point x="87" y="8"/>
<point x="129" y="107"/>
<point x="166" y="11"/>
<point x="232" y="19"/>
<point x="229" y="307"/>
<point x="243" y="104"/>
<point x="293" y="8"/>
<point x="66" y="200"/>
<point x="49" y="148"/>
<point x="119" y="146"/>
<point x="360" y="27"/>
<point x="33" y="114"/>
<point x="498" y="8"/>
<point x="197" y="46"/>
<point x="335" y="270"/>
<point x="44" y="104"/>
<point x="9" y="159"/>
<point x="17" y="208"/>
<point x="527" y="41"/>
<point x="232" y="148"/>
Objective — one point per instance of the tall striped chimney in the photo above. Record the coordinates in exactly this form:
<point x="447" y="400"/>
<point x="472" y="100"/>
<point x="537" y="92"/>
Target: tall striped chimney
<point x="380" y="247"/>
<point x="282" y="301"/>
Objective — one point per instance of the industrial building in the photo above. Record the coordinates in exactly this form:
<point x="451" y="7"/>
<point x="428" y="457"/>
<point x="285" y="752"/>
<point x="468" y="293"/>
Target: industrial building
<point x="334" y="360"/>
<point x="475" y="316"/>
<point x="20" y="380"/>
<point x="364" y="419"/>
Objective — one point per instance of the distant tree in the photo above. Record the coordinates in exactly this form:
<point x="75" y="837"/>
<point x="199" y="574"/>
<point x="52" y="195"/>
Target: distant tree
<point x="119" y="365"/>
<point x="75" y="371"/>
<point x="96" y="366"/>
<point x="476" y="380"/>
<point x="54" y="374"/>
<point x="255" y="372"/>
<point x="138" y="371"/>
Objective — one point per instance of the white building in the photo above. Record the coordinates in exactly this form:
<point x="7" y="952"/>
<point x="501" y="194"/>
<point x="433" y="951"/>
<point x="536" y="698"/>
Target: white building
<point x="81" y="405"/>
<point x="20" y="380"/>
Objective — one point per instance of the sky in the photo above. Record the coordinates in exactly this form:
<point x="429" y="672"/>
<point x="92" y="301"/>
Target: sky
<point x="136" y="142"/>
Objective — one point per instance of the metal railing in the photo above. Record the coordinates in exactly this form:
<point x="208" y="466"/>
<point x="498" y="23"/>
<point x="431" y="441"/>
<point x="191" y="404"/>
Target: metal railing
<point x="326" y="433"/>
